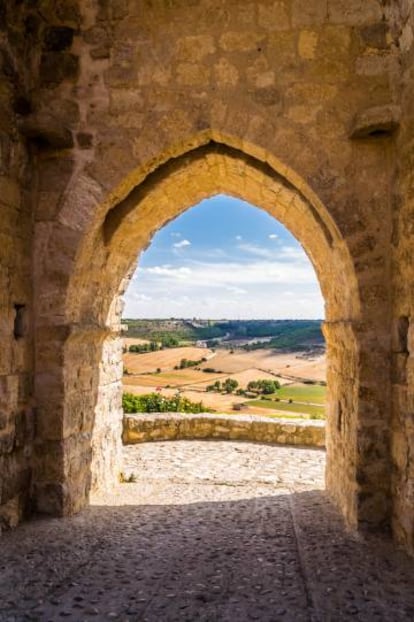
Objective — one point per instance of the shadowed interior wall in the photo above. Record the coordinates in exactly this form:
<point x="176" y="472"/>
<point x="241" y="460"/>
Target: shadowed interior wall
<point x="401" y="18"/>
<point x="17" y="185"/>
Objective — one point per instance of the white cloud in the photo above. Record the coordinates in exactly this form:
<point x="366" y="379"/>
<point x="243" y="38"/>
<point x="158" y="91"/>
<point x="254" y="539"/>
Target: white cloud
<point x="252" y="249"/>
<point x="175" y="234"/>
<point x="141" y="297"/>
<point x="236" y="290"/>
<point x="168" y="271"/>
<point x="263" y="283"/>
<point x="182" y="244"/>
<point x="232" y="274"/>
<point x="210" y="302"/>
<point x="273" y="236"/>
<point x="293" y="253"/>
<point x="239" y="237"/>
<point x="290" y="254"/>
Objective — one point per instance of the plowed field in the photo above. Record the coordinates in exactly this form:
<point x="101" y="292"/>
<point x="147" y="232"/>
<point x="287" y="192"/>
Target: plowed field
<point x="164" y="359"/>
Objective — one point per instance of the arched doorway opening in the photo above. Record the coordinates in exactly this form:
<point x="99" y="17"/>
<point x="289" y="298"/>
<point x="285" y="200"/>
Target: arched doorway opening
<point x="87" y="451"/>
<point x="224" y="297"/>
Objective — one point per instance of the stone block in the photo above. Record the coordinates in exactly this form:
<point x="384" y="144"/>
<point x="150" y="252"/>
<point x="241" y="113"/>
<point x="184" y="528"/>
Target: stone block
<point x="10" y="193"/>
<point x="308" y="41"/>
<point x="57" y="38"/>
<point x="273" y="15"/>
<point x="233" y="41"/>
<point x="376" y="35"/>
<point x="354" y="12"/>
<point x="194" y="48"/>
<point x="192" y="74"/>
<point x="305" y="13"/>
<point x="47" y="131"/>
<point x="55" y="67"/>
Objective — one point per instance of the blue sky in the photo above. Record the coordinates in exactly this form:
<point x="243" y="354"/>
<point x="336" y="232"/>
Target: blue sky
<point x="224" y="258"/>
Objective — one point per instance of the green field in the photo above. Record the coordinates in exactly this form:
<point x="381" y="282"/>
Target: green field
<point x="314" y="393"/>
<point x="315" y="412"/>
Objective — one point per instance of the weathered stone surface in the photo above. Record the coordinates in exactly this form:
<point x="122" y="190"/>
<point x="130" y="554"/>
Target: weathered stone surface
<point x="400" y="16"/>
<point x="170" y="426"/>
<point x="58" y="66"/>
<point x="46" y="131"/>
<point x="16" y="332"/>
<point x="376" y="121"/>
<point x="58" y="38"/>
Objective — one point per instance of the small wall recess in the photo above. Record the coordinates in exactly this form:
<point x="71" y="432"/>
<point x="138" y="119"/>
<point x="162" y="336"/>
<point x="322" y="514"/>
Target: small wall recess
<point x="19" y="328"/>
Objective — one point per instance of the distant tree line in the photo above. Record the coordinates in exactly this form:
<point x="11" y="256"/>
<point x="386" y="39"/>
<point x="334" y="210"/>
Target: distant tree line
<point x="167" y="341"/>
<point x="184" y="363"/>
<point x="261" y="386"/>
<point x="228" y="386"/>
<point x="285" y="333"/>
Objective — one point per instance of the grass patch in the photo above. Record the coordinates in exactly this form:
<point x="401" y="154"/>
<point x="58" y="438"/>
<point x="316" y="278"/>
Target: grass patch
<point x="303" y="393"/>
<point x="315" y="412"/>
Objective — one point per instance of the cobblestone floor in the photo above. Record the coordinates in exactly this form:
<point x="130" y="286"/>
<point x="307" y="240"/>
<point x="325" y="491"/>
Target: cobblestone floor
<point x="210" y="531"/>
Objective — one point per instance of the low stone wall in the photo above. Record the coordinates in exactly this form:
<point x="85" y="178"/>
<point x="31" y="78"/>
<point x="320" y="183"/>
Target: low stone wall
<point x="173" y="426"/>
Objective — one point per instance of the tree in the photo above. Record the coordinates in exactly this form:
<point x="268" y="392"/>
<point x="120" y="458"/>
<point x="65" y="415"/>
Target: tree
<point x="169" y="341"/>
<point x="252" y="386"/>
<point x="229" y="385"/>
<point x="214" y="387"/>
<point x="269" y="386"/>
<point x="264" y="386"/>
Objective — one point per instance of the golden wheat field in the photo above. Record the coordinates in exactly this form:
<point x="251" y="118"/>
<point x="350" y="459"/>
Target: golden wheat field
<point x="175" y="378"/>
<point x="163" y="359"/>
<point x="289" y="364"/>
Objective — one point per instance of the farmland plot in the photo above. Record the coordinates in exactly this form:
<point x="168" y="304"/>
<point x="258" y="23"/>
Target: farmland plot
<point x="165" y="359"/>
<point x="154" y="371"/>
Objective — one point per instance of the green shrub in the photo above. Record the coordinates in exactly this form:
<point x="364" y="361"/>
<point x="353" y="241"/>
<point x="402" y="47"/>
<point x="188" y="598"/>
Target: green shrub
<point x="157" y="403"/>
<point x="229" y="385"/>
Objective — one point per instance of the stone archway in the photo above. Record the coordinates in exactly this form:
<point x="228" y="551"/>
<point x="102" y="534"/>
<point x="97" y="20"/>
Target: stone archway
<point x="79" y="397"/>
<point x="96" y="96"/>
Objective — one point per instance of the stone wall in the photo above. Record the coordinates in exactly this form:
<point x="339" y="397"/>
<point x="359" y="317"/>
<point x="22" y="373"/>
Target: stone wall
<point x="169" y="426"/>
<point x="288" y="105"/>
<point x="401" y="18"/>
<point x="17" y="180"/>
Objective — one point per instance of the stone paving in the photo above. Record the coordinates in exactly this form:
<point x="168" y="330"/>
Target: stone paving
<point x="210" y="531"/>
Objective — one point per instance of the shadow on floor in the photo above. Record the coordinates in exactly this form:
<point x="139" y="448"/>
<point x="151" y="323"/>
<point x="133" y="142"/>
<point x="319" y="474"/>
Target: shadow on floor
<point x="282" y="557"/>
